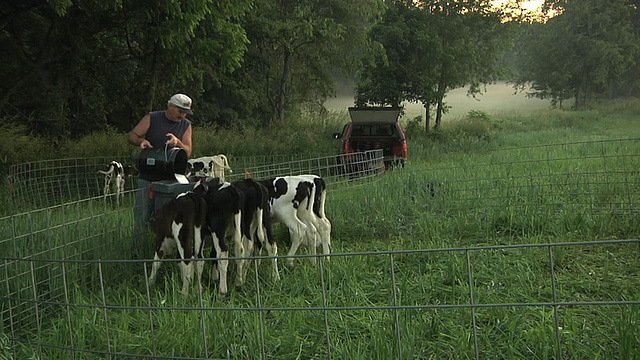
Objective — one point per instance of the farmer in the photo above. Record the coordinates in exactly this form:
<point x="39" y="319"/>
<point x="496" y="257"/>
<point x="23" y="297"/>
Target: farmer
<point x="156" y="130"/>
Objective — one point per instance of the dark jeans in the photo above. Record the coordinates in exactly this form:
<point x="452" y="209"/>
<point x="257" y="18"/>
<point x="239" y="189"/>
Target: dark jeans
<point x="143" y="211"/>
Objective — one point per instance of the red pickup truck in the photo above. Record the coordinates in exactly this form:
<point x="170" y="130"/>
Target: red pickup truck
<point x="374" y="128"/>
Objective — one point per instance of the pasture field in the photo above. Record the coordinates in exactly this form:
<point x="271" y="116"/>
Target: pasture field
<point x="496" y="99"/>
<point x="504" y="238"/>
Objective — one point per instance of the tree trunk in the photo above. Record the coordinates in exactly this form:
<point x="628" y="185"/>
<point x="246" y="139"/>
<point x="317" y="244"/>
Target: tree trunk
<point x="427" y="118"/>
<point x="611" y="89"/>
<point x="283" y="85"/>
<point x="440" y="94"/>
<point x="439" y="113"/>
<point x="587" y="96"/>
<point x="154" y="77"/>
<point x="581" y="98"/>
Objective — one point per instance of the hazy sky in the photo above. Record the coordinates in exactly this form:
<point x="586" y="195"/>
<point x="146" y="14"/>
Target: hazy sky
<point x="527" y="5"/>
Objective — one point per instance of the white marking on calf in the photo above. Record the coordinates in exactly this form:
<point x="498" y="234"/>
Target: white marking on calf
<point x="321" y="222"/>
<point x="256" y="223"/>
<point x="293" y="202"/>
<point x="220" y="164"/>
<point x="224" y="219"/>
<point x="179" y="225"/>
<point x="116" y="174"/>
<point x="113" y="175"/>
<point x="209" y="166"/>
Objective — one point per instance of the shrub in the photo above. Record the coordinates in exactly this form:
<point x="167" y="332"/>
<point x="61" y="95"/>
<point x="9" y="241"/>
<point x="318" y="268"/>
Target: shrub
<point x="414" y="126"/>
<point x="22" y="148"/>
<point x="475" y="126"/>
<point x="308" y="134"/>
<point x="105" y="143"/>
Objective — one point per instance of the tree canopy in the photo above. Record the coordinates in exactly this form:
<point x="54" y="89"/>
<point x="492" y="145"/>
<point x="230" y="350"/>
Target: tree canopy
<point x="429" y="48"/>
<point x="73" y="67"/>
<point x="296" y="46"/>
<point x="589" y="48"/>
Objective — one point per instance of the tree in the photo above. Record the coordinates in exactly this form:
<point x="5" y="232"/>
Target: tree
<point x="72" y="67"/>
<point x="583" y="51"/>
<point x="386" y="77"/>
<point x="434" y="47"/>
<point x="295" y="46"/>
<point x="472" y="38"/>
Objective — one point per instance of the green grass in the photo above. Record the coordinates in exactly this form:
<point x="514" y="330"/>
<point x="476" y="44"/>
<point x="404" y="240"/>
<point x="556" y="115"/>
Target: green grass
<point x="483" y="181"/>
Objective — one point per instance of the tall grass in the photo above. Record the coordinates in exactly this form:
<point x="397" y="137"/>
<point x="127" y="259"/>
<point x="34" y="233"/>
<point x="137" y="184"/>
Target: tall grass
<point x="311" y="134"/>
<point x="461" y="191"/>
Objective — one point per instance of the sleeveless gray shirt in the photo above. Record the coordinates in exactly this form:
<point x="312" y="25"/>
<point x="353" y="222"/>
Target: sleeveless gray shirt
<point x="161" y="125"/>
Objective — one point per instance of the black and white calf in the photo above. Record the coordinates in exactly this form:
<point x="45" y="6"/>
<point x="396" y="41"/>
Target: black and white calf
<point x="224" y="218"/>
<point x="256" y="223"/>
<point x="298" y="202"/>
<point x="116" y="175"/>
<point x="209" y="166"/>
<point x="322" y="223"/>
<point x="181" y="225"/>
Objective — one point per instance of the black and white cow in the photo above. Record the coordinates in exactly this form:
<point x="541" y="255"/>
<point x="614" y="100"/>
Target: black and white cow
<point x="322" y="223"/>
<point x="223" y="218"/>
<point x="256" y="223"/>
<point x="180" y="225"/>
<point x="116" y="175"/>
<point x="298" y="201"/>
<point x="209" y="166"/>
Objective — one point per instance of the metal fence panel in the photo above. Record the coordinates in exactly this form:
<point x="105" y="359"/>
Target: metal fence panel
<point x="67" y="274"/>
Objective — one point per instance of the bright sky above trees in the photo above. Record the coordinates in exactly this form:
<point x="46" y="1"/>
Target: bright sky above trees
<point x="530" y="5"/>
<point x="530" y="9"/>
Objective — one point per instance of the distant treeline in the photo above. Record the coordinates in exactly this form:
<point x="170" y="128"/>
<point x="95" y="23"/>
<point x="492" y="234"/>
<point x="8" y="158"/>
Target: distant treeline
<point x="74" y="67"/>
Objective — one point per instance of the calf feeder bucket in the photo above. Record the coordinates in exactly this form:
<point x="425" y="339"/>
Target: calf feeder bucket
<point x="162" y="163"/>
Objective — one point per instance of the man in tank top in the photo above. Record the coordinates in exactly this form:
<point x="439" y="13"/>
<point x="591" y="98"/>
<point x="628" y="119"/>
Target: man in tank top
<point x="169" y="127"/>
<point x="157" y="129"/>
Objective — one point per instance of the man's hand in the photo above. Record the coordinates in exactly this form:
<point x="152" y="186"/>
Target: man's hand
<point x="173" y="140"/>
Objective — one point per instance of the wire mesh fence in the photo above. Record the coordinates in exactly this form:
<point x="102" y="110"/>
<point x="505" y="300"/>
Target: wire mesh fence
<point x="530" y="285"/>
<point x="56" y="325"/>
<point x="594" y="176"/>
<point x="49" y="182"/>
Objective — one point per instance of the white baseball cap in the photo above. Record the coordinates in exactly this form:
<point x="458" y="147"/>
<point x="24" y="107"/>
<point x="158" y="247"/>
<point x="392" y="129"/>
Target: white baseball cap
<point x="183" y="102"/>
